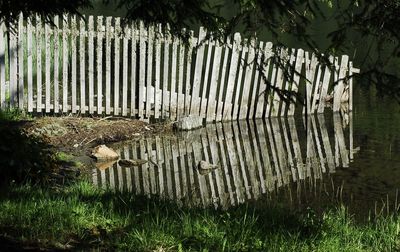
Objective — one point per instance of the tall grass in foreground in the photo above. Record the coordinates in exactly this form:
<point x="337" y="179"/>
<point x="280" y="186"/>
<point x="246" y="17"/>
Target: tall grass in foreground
<point x="83" y="216"/>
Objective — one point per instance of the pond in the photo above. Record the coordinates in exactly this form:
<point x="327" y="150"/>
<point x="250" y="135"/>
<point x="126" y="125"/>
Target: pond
<point x="318" y="160"/>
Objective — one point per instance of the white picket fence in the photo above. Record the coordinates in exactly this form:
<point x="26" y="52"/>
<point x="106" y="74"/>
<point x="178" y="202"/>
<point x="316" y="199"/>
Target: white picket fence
<point x="103" y="68"/>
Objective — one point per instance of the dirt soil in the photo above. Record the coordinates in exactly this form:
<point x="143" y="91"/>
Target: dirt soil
<point x="77" y="133"/>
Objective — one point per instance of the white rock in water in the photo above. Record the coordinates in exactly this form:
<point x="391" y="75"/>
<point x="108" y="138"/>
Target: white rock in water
<point x="103" y="153"/>
<point x="205" y="167"/>
<point x="189" y="122"/>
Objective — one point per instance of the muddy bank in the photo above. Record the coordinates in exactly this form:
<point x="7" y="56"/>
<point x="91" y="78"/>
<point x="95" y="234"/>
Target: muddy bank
<point x="69" y="133"/>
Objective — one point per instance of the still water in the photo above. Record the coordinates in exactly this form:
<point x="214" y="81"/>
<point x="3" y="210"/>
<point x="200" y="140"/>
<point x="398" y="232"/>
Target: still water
<point x="352" y="159"/>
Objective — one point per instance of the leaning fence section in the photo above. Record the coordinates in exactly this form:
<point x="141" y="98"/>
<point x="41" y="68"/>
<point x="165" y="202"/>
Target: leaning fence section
<point x="95" y="65"/>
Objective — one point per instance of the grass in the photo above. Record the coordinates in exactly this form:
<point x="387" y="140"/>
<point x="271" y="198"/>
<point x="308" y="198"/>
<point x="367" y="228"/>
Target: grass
<point x="83" y="216"/>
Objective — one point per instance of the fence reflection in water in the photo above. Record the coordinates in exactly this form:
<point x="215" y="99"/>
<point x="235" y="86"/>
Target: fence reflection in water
<point x="254" y="158"/>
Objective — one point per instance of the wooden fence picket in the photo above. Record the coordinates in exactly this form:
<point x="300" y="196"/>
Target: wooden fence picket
<point x="108" y="35"/>
<point x="149" y="75"/>
<point x="91" y="63"/>
<point x="3" y="87"/>
<point x="29" y="66"/>
<point x="73" y="31"/>
<point x="117" y="31"/>
<point x="56" y="58"/>
<point x="82" y="64"/>
<point x="99" y="65"/>
<point x="195" y="99"/>
<point x="21" y="49"/>
<point x="125" y="71"/>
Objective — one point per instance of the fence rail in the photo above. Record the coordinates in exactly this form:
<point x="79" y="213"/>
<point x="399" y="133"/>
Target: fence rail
<point x="96" y="66"/>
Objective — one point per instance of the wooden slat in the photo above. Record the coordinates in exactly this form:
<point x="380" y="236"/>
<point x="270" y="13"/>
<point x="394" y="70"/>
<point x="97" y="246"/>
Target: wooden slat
<point x="73" y="63"/>
<point x="133" y="69"/>
<point x="205" y="83"/>
<point x="317" y="89"/>
<point x="247" y="83"/>
<point x="276" y="103"/>
<point x="344" y="67"/>
<point x="82" y="64"/>
<point x="126" y="36"/>
<point x="296" y="79"/>
<point x="256" y="81"/>
<point x="47" y="37"/>
<point x="239" y="82"/>
<point x="266" y="55"/>
<point x="157" y="75"/>
<point x="195" y="102"/>
<point x="29" y="66"/>
<point x="212" y="97"/>
<point x="3" y="87"/>
<point x="165" y="98"/>
<point x="287" y="86"/>
<point x="65" y="60"/>
<point x="311" y="65"/>
<point x="188" y="82"/>
<point x="56" y="84"/>
<point x="108" y="65"/>
<point x="227" y="114"/>
<point x="21" y="33"/>
<point x="117" y="36"/>
<point x="222" y="83"/>
<point x="99" y="63"/>
<point x="90" y="33"/>
<point x="325" y="85"/>
<point x="149" y="82"/>
<point x="181" y="97"/>
<point x="13" y="61"/>
<point x="173" y="94"/>
<point x="142" y="68"/>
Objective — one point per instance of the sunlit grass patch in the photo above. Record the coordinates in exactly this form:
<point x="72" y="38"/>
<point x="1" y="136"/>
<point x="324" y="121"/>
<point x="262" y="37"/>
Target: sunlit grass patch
<point x="92" y="217"/>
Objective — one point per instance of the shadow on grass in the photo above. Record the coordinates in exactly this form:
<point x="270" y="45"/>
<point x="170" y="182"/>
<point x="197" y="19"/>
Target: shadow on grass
<point x="95" y="218"/>
<point x="22" y="157"/>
